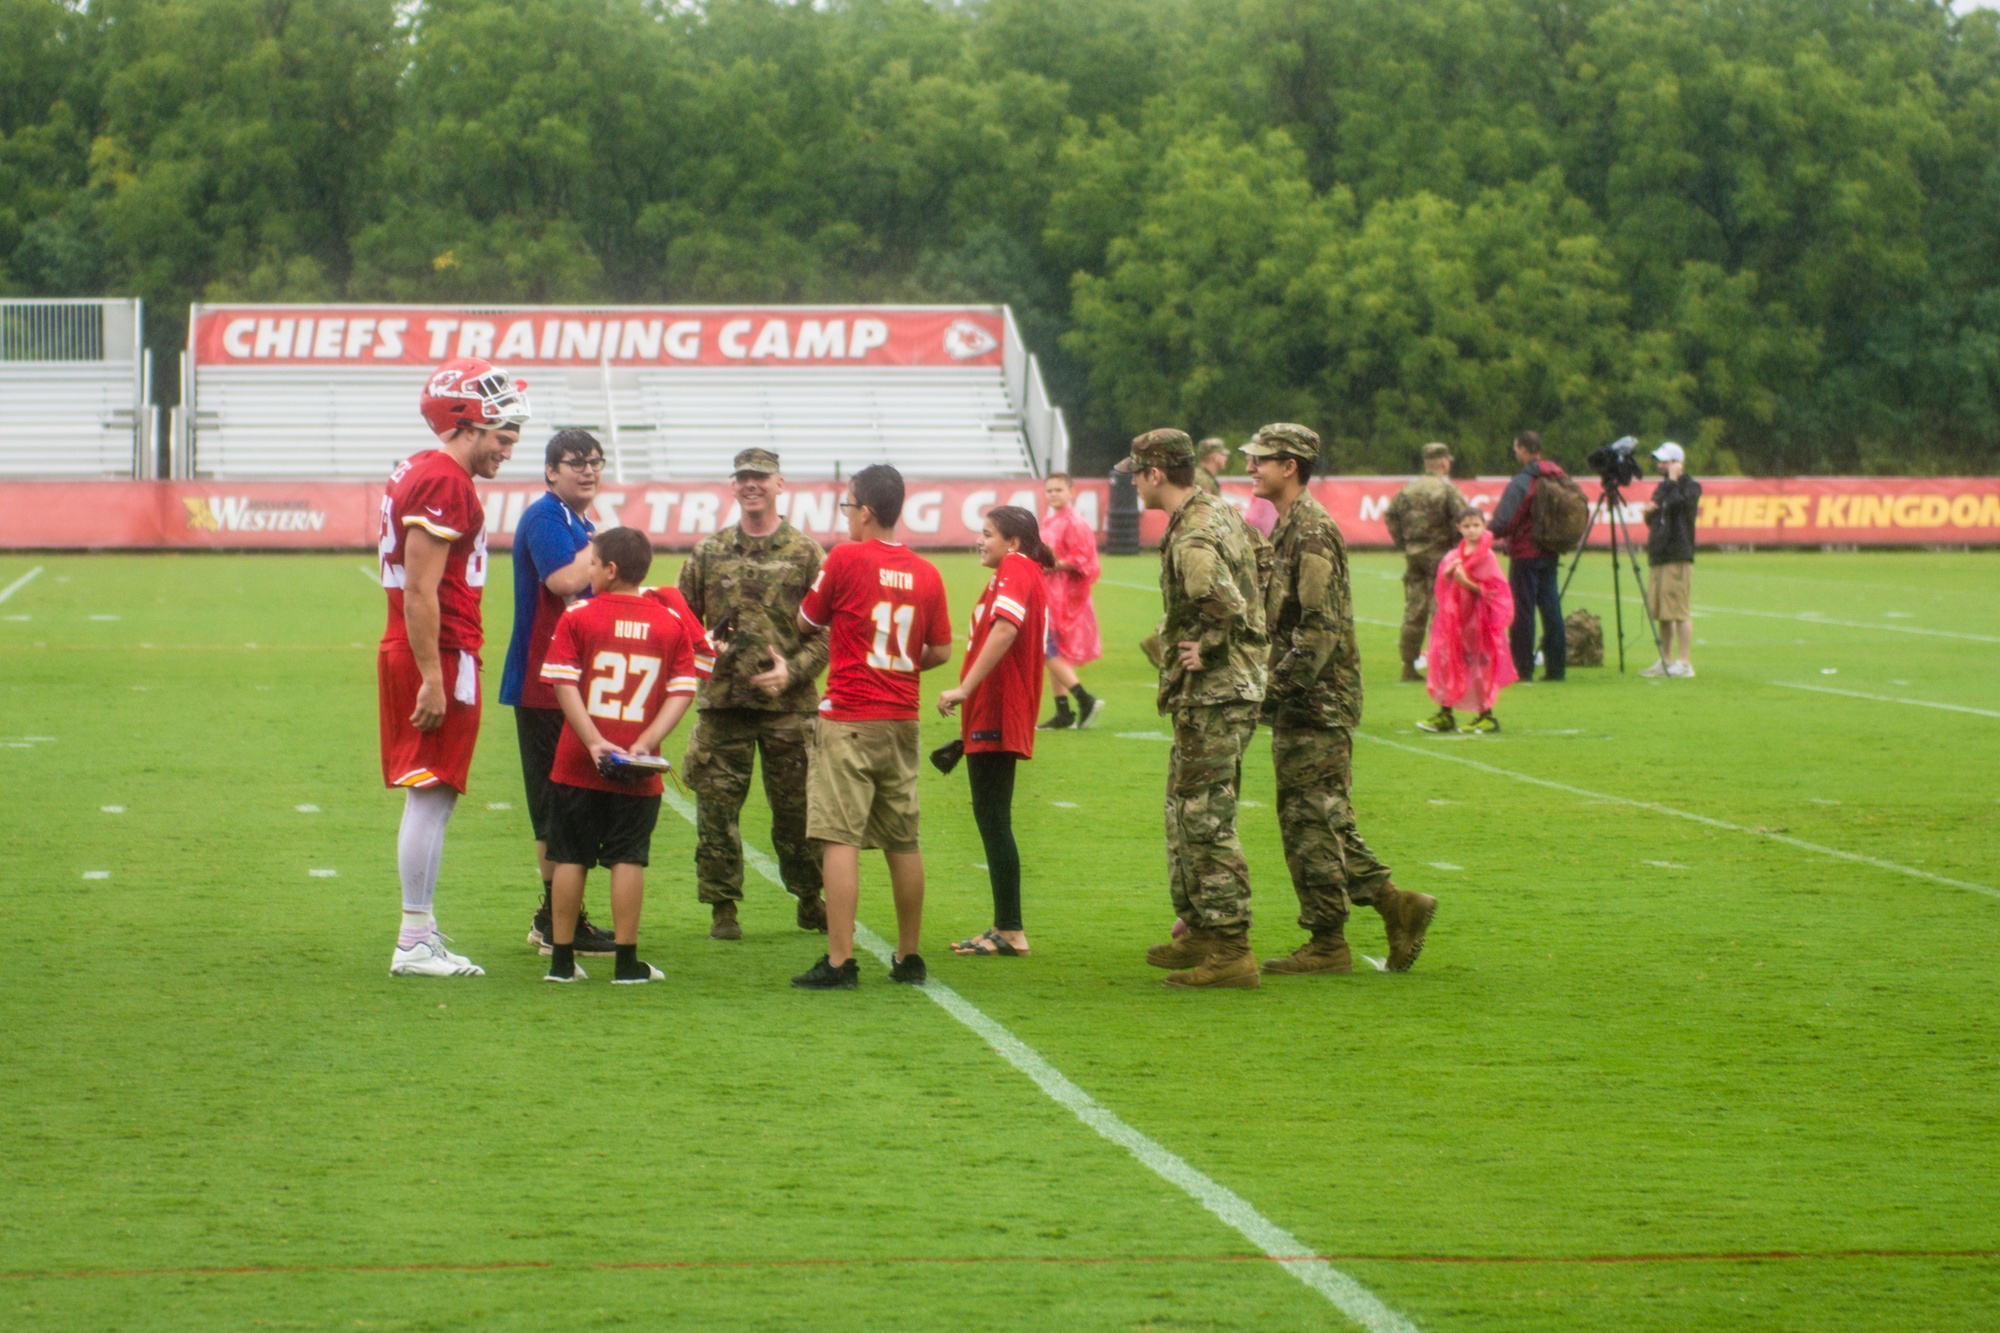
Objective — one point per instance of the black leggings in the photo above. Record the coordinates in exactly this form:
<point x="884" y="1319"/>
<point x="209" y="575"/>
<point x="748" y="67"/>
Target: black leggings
<point x="992" y="775"/>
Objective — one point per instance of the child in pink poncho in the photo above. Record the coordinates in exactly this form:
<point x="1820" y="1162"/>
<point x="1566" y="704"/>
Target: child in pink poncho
<point x="1469" y="657"/>
<point x="1072" y="619"/>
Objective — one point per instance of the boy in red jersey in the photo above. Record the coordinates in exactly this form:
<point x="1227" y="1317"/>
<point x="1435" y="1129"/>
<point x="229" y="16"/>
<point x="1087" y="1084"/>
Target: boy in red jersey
<point x="884" y="612"/>
<point x="433" y="552"/>
<point x="1000" y="684"/>
<point x="623" y="669"/>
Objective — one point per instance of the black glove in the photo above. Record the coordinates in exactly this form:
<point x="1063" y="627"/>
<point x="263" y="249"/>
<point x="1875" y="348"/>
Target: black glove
<point x="946" y="757"/>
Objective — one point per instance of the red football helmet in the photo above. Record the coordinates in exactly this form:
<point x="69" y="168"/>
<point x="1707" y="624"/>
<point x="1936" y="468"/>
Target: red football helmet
<point x="471" y="392"/>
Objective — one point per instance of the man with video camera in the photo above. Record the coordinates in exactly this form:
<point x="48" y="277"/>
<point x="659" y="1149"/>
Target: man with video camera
<point x="1531" y="571"/>
<point x="1670" y="517"/>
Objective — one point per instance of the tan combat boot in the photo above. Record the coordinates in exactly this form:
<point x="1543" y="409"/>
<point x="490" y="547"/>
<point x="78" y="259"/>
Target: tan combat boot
<point x="1325" y="952"/>
<point x="1186" y="951"/>
<point x="1405" y="916"/>
<point x="1229" y="966"/>
<point x="724" y="925"/>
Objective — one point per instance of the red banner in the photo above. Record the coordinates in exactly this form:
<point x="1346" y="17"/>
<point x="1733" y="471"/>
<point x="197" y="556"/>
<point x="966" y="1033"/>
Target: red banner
<point x="1836" y="511"/>
<point x="627" y="336"/>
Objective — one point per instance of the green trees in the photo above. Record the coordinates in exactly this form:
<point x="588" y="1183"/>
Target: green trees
<point x="1764" y="229"/>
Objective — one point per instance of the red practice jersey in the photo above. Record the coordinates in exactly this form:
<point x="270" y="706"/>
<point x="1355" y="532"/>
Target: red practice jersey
<point x="1001" y="713"/>
<point x="625" y="654"/>
<point x="431" y="491"/>
<point x="881" y="605"/>
<point x="704" y="652"/>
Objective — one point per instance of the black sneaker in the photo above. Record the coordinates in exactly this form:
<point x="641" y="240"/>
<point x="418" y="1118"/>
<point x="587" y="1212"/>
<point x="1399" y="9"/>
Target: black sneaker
<point x="1062" y="721"/>
<point x="591" y="942"/>
<point x="908" y="969"/>
<point x="824" y="976"/>
<point x="1092" y="706"/>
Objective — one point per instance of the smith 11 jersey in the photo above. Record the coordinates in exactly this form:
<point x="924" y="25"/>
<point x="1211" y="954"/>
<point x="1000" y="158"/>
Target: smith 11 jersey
<point x="881" y="605"/>
<point x="432" y="491"/>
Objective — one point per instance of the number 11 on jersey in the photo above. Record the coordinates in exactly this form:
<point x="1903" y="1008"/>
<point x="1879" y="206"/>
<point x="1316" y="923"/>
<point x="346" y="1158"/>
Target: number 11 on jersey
<point x="892" y="621"/>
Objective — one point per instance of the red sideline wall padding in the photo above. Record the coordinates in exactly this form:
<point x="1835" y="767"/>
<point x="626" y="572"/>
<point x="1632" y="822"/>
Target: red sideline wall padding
<point x="183" y="515"/>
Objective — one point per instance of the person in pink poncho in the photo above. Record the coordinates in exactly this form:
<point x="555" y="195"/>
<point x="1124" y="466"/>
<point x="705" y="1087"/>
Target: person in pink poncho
<point x="1469" y="657"/>
<point x="1072" y="619"/>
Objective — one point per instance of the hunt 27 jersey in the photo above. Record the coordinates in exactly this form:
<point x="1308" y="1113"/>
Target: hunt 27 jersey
<point x="881" y="605"/>
<point x="625" y="654"/>
<point x="432" y="491"/>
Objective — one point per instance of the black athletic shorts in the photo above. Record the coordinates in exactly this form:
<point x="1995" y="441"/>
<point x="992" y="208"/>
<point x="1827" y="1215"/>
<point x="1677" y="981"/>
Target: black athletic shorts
<point x="588" y="827"/>
<point x="538" y="729"/>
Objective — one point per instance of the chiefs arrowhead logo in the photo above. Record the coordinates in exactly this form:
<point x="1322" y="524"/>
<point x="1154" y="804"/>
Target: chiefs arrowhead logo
<point x="965" y="340"/>
<point x="444" y="380"/>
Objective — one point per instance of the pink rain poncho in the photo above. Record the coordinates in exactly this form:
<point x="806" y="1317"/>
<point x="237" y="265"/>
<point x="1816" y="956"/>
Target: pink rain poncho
<point x="1072" y="619"/>
<point x="1469" y="658"/>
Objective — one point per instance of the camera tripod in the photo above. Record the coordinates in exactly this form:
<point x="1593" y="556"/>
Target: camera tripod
<point x="1611" y="505"/>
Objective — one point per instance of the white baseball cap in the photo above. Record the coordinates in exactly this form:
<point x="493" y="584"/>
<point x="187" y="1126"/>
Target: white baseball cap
<point x="1670" y="453"/>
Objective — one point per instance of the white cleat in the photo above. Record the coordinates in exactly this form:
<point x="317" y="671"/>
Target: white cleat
<point x="1656" y="670"/>
<point x="1682" y="670"/>
<point x="430" y="958"/>
<point x="652" y="974"/>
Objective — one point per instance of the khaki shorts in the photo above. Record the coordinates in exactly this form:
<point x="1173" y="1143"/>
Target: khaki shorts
<point x="861" y="785"/>
<point x="1670" y="591"/>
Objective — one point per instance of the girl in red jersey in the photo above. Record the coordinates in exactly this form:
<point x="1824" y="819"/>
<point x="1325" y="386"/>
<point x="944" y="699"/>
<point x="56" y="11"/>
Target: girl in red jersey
<point x="1072" y="619"/>
<point x="1000" y="685"/>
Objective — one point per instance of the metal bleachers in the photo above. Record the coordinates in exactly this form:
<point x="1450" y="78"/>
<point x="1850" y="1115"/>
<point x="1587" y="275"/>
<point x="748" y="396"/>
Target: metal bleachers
<point x="658" y="421"/>
<point x="73" y="390"/>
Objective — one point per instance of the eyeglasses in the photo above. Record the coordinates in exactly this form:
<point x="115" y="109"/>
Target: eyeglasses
<point x="852" y="504"/>
<point x="585" y="464"/>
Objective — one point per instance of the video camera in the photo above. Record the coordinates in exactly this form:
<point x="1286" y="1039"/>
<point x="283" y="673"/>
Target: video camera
<point x="1615" y="464"/>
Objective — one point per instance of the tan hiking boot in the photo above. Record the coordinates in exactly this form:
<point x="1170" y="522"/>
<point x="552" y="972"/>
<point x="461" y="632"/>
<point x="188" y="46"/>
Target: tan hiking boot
<point x="725" y="927"/>
<point x="1325" y="952"/>
<point x="1229" y="966"/>
<point x="1411" y="676"/>
<point x="1405" y="916"/>
<point x="1184" y="952"/>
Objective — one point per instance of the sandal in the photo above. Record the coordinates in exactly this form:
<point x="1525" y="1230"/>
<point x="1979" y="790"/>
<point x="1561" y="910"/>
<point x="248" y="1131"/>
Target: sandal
<point x="989" y="945"/>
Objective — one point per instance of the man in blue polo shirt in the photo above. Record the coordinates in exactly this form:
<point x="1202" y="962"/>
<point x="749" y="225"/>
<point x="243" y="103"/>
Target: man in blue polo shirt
<point x="551" y="570"/>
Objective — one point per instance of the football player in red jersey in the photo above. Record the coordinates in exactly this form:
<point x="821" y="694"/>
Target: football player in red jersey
<point x="433" y="550"/>
<point x="884" y="612"/>
<point x="1000" y="685"/>
<point x="623" y="668"/>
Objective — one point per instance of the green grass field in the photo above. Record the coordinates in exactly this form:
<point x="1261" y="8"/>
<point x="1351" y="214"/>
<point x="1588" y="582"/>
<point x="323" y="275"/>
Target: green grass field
<point x="1673" y="1043"/>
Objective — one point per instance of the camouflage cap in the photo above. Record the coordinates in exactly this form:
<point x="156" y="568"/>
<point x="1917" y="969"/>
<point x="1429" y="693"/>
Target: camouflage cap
<point x="1157" y="448"/>
<point x="1284" y="438"/>
<point x="1434" y="451"/>
<point x="757" y="460"/>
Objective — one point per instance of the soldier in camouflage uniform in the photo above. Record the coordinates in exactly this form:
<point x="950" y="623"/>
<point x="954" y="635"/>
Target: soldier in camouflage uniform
<point x="1423" y="522"/>
<point x="746" y="583"/>
<point x="1211" y="683"/>
<point x="1313" y="704"/>
<point x="1210" y="457"/>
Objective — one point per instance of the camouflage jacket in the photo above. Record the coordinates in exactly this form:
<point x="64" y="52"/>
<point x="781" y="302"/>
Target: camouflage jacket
<point x="1315" y="662"/>
<point x="1210" y="594"/>
<point x="1205" y="480"/>
<point x="1423" y="517"/>
<point x="758" y="583"/>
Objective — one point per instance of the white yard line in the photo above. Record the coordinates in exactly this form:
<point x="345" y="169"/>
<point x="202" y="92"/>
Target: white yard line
<point x="374" y="576"/>
<point x="1800" y="843"/>
<point x="1812" y="618"/>
<point x="1295" y="1256"/>
<point x="1888" y="699"/>
<point x="19" y="583"/>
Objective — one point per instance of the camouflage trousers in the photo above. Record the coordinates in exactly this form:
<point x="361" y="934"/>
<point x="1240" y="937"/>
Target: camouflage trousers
<point x="719" y="757"/>
<point x="1420" y="574"/>
<point x="1331" y="866"/>
<point x="1207" y="875"/>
